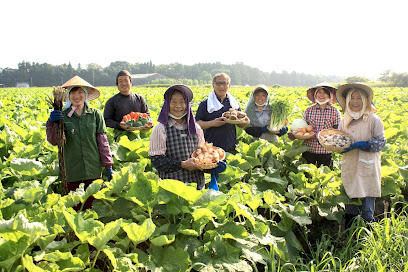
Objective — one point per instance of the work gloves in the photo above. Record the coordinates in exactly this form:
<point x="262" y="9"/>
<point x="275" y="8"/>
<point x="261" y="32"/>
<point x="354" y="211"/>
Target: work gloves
<point x="282" y="131"/>
<point x="215" y="174"/>
<point x="109" y="173"/>
<point x="56" y="115"/>
<point x="363" y="145"/>
<point x="264" y="129"/>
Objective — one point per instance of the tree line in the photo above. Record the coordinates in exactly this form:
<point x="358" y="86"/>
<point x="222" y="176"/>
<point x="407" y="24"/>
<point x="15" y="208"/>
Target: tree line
<point x="44" y="74"/>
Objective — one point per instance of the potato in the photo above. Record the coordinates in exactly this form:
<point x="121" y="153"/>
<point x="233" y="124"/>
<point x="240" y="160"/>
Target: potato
<point x="208" y="154"/>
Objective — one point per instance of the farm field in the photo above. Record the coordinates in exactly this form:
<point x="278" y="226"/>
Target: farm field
<point x="273" y="212"/>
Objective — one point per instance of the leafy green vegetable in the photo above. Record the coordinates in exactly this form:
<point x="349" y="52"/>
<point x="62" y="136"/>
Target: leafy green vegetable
<point x="281" y="109"/>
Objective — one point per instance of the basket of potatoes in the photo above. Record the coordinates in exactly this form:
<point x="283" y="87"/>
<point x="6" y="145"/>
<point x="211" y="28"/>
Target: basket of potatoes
<point x="335" y="140"/>
<point x="301" y="130"/>
<point x="233" y="116"/>
<point x="207" y="155"/>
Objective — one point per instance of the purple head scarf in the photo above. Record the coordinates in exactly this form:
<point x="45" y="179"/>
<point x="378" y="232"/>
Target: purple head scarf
<point x="188" y="96"/>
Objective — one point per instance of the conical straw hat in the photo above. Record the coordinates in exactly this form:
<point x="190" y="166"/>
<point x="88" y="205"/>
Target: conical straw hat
<point x="76" y="81"/>
<point x="311" y="92"/>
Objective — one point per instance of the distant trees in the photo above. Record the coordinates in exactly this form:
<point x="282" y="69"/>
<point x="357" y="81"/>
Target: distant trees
<point x="44" y="74"/>
<point x="395" y="79"/>
<point x="354" y="79"/>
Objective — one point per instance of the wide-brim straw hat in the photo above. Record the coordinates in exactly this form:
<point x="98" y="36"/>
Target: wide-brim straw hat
<point x="311" y="91"/>
<point x="76" y="81"/>
<point x="343" y="90"/>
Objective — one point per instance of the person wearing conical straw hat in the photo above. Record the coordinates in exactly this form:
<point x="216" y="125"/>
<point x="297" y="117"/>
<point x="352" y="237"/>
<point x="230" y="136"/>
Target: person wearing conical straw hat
<point x="321" y="115"/>
<point x="86" y="149"/>
<point x="122" y="104"/>
<point x="361" y="164"/>
<point x="259" y="113"/>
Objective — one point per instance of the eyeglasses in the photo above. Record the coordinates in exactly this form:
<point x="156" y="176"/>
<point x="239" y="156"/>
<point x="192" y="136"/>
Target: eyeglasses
<point x="218" y="83"/>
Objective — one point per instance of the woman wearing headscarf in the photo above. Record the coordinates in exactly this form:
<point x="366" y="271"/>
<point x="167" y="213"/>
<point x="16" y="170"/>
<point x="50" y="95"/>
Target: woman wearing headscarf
<point x="259" y="113"/>
<point x="176" y="137"/>
<point x="86" y="148"/>
<point x="321" y="115"/>
<point x="361" y="164"/>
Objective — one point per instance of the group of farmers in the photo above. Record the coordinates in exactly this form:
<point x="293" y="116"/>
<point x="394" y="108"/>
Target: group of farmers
<point x="178" y="132"/>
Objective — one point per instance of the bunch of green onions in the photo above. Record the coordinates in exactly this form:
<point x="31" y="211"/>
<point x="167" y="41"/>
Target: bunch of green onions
<point x="281" y="110"/>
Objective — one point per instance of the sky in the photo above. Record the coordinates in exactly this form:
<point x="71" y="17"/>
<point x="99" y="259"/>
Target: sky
<point x="344" y="38"/>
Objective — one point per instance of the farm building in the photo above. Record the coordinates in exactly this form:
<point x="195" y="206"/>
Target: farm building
<point x="22" y="85"/>
<point x="141" y="79"/>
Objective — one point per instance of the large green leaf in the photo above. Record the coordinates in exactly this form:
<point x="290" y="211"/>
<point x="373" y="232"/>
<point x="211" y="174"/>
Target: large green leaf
<point x="298" y="213"/>
<point x="21" y="223"/>
<point x="27" y="167"/>
<point x="170" y="259"/>
<point x="177" y="187"/>
<point x="140" y="233"/>
<point x="144" y="192"/>
<point x="29" y="264"/>
<point x="163" y="240"/>
<point x="219" y="255"/>
<point x="84" y="228"/>
<point x="105" y="234"/>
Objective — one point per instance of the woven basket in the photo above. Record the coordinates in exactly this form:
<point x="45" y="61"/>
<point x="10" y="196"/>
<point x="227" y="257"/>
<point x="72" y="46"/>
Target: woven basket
<point x="333" y="131"/>
<point x="235" y="122"/>
<point x="304" y="137"/>
<point x="208" y="166"/>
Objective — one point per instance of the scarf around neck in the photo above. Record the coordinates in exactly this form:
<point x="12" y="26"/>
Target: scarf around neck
<point x="213" y="104"/>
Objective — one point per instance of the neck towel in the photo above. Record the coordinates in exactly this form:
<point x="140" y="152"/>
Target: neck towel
<point x="213" y="104"/>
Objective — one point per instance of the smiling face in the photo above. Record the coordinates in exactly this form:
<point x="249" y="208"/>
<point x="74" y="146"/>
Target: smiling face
<point x="221" y="86"/>
<point x="260" y="97"/>
<point x="321" y="95"/>
<point x="77" y="96"/>
<point x="124" y="84"/>
<point x="177" y="104"/>
<point x="356" y="102"/>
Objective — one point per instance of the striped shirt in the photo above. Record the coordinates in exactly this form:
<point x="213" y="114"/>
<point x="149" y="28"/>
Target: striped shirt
<point x="158" y="137"/>
<point x="320" y="119"/>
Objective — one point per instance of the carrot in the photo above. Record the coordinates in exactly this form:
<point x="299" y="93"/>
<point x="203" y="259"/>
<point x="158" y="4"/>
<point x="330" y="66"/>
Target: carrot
<point x="132" y="115"/>
<point x="125" y="118"/>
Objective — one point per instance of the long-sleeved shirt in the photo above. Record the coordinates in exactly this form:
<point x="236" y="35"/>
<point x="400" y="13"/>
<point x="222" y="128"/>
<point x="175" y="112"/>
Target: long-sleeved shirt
<point x="86" y="147"/>
<point x="320" y="119"/>
<point x="165" y="164"/>
<point x="119" y="105"/>
<point x="158" y="137"/>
